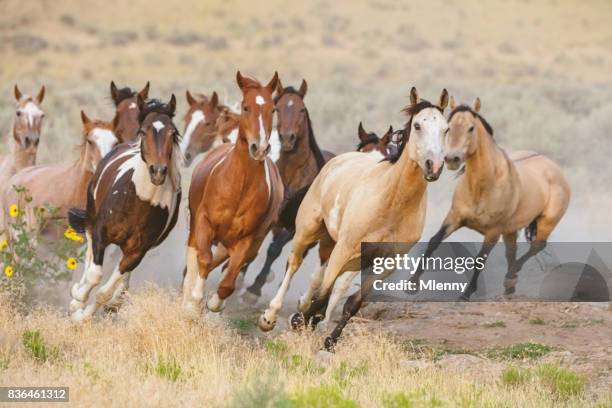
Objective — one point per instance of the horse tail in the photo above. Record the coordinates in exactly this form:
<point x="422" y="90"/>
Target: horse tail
<point x="77" y="218"/>
<point x="531" y="231"/>
<point x="289" y="208"/>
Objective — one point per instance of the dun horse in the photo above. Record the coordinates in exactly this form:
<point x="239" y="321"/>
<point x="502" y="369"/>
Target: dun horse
<point x="234" y="198"/>
<point x="23" y="140"/>
<point x="299" y="162"/>
<point x="201" y="127"/>
<point x="69" y="181"/>
<point x="499" y="194"/>
<point x="125" y="100"/>
<point x="386" y="203"/>
<point x="132" y="202"/>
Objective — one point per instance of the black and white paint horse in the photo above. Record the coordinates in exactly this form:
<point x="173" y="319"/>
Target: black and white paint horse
<point x="132" y="202"/>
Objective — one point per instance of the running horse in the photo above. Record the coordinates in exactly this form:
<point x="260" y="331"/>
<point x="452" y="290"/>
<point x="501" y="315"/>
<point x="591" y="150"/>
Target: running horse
<point x="201" y="125"/>
<point x="126" y="104"/>
<point x="132" y="202"/>
<point x="299" y="162"/>
<point x="69" y="180"/>
<point x="23" y="140"/>
<point x="386" y="203"/>
<point x="234" y="198"/>
<point x="499" y="194"/>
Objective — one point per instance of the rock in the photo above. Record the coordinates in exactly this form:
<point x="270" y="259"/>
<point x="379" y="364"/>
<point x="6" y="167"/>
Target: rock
<point x="460" y="362"/>
<point x="416" y="364"/>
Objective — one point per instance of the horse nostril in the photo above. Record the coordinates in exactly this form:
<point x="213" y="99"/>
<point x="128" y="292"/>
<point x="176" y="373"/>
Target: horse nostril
<point x="253" y="148"/>
<point x="187" y="156"/>
<point x="429" y="164"/>
<point x="292" y="137"/>
<point x="151" y="170"/>
<point x="164" y="170"/>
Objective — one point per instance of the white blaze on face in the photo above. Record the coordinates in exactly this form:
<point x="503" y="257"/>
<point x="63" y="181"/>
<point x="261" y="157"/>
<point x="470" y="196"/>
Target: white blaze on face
<point x="133" y="106"/>
<point x="105" y="139"/>
<point x="259" y="100"/>
<point x="31" y="112"/>
<point x="290" y="103"/>
<point x="430" y="138"/>
<point x="196" y="117"/>
<point x="158" y="125"/>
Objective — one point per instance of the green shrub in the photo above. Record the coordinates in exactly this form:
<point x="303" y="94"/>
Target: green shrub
<point x="418" y="399"/>
<point x="33" y="343"/>
<point x="514" y="376"/>
<point x="323" y="396"/>
<point x="561" y="382"/>
<point x="168" y="369"/>
<point x="521" y="351"/>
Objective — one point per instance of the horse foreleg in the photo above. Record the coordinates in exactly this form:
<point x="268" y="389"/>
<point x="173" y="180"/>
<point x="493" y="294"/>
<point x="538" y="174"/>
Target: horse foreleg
<point x="488" y="244"/>
<point x="239" y="254"/>
<point x="92" y="275"/>
<point x="351" y="307"/>
<point x="274" y="251"/>
<point x="337" y="294"/>
<point x="510" y="279"/>
<point x="512" y="276"/>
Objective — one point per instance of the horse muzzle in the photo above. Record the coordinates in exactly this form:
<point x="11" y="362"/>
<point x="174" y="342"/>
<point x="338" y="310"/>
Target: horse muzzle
<point x="259" y="152"/>
<point x="158" y="174"/>
<point x="433" y="169"/>
<point x="453" y="161"/>
<point x="287" y="142"/>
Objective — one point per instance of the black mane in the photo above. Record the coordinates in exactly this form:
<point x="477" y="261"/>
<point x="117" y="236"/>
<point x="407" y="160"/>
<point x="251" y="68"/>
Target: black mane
<point x="465" y="108"/>
<point x="312" y="142"/>
<point x="411" y="111"/>
<point x="123" y="94"/>
<point x="154" y="106"/>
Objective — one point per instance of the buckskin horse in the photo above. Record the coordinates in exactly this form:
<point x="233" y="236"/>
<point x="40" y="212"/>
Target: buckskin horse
<point x="499" y="194"/>
<point x="23" y="140"/>
<point x="125" y="100"/>
<point x="299" y="162"/>
<point x="69" y="180"/>
<point x="132" y="202"/>
<point x="235" y="194"/>
<point x="386" y="203"/>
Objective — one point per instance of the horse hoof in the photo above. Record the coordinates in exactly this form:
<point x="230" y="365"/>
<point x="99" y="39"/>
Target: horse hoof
<point x="76" y="305"/>
<point x="509" y="291"/>
<point x="215" y="303"/>
<point x="78" y="316"/>
<point x="329" y="344"/>
<point x="265" y="324"/>
<point x="465" y="297"/>
<point x="249" y="297"/>
<point x="297" y="321"/>
<point x="510" y="282"/>
<point x="110" y="309"/>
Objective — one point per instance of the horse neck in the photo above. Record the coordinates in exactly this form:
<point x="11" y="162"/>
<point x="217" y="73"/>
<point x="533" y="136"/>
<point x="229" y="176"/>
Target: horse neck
<point x="20" y="158"/>
<point x="404" y="181"/>
<point x="481" y="166"/>
<point x="293" y="164"/>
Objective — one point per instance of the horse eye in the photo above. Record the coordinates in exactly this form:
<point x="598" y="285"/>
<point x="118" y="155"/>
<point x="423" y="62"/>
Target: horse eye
<point x="417" y="126"/>
<point x="18" y="113"/>
<point x="207" y="124"/>
<point x="303" y="110"/>
<point x="245" y="108"/>
<point x="471" y="129"/>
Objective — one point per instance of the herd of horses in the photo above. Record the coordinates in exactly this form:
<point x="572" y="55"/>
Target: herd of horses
<point x="125" y="189"/>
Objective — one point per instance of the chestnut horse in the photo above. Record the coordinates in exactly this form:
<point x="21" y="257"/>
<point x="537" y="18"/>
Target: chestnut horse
<point x="201" y="127"/>
<point x="132" y="202"/>
<point x="369" y="142"/>
<point x="499" y="194"/>
<point x="69" y="181"/>
<point x="125" y="100"/>
<point x="234" y="198"/>
<point x="23" y="141"/>
<point x="386" y="203"/>
<point x="299" y="162"/>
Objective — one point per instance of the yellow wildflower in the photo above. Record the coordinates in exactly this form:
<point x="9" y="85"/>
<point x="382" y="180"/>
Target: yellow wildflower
<point x="3" y="245"/>
<point x="14" y="210"/>
<point x="8" y="271"/>
<point x="71" y="263"/>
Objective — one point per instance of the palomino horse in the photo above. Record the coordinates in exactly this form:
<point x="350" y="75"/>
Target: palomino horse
<point x="386" y="203"/>
<point x="299" y="162"/>
<point x="201" y="127"/>
<point x="69" y="181"/>
<point x="234" y="198"/>
<point x="25" y="136"/>
<point x="132" y="202"/>
<point x="369" y="142"/>
<point x="125" y="100"/>
<point x="499" y="194"/>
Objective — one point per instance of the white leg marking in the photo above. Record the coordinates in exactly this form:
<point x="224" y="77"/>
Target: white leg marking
<point x="337" y="294"/>
<point x="196" y="117"/>
<point x="315" y="281"/>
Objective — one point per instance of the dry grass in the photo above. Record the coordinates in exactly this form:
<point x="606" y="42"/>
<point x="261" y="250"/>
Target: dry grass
<point x="150" y="355"/>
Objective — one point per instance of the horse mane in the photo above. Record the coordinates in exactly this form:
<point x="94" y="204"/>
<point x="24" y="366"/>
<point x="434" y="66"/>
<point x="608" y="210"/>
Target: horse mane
<point x="312" y="142"/>
<point x="123" y="94"/>
<point x="411" y="111"/>
<point x="154" y="106"/>
<point x="466" y="108"/>
<point x="372" y="138"/>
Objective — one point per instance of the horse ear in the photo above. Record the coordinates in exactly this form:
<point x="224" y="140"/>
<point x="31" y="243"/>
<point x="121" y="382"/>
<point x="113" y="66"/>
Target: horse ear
<point x="444" y="99"/>
<point x="144" y="92"/>
<point x="279" y="88"/>
<point x="303" y="89"/>
<point x="214" y="100"/>
<point x="363" y="135"/>
<point x="190" y="99"/>
<point x="140" y="102"/>
<point x="477" y="105"/>
<point x="114" y="92"/>
<point x="272" y="84"/>
<point x="18" y="93"/>
<point x="172" y="104"/>
<point x="84" y="119"/>
<point x="240" y="80"/>
<point x="41" y="95"/>
<point x="414" y="96"/>
<point x="453" y="104"/>
<point x="387" y="137"/>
